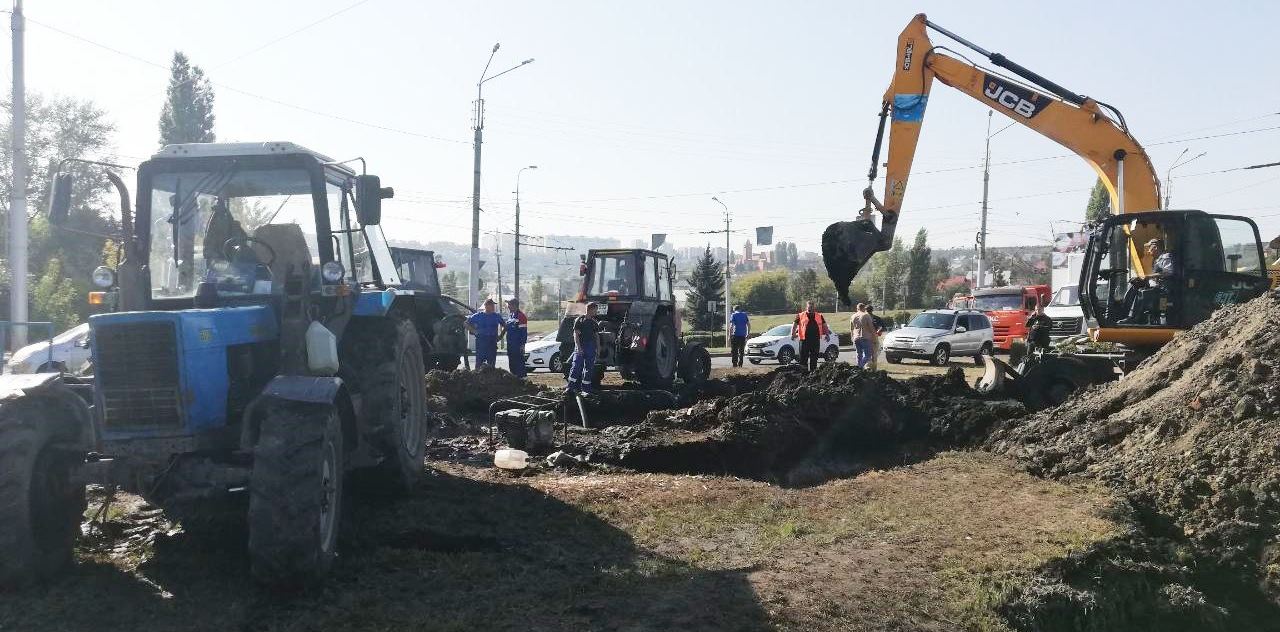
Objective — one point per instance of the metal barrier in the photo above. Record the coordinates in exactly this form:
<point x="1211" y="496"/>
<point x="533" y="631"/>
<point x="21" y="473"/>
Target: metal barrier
<point x="6" y="325"/>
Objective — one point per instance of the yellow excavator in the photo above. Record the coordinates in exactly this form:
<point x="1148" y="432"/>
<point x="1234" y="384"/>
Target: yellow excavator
<point x="1148" y="272"/>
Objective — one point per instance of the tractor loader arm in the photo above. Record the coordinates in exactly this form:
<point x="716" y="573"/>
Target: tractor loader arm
<point x="1092" y="130"/>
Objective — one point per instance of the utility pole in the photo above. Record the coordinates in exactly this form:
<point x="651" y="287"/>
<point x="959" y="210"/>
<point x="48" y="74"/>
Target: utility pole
<point x="473" y="292"/>
<point x="982" y="232"/>
<point x="516" y="282"/>
<point x="728" y="265"/>
<point x="18" y="192"/>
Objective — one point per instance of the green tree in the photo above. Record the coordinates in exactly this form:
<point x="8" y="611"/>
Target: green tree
<point x="55" y="298"/>
<point x="762" y="291"/>
<point x="1099" y="203"/>
<point x="706" y="283"/>
<point x="997" y="266"/>
<point x="449" y="283"/>
<point x="780" y="254"/>
<point x="804" y="287"/>
<point x="889" y="277"/>
<point x="187" y="116"/>
<point x="58" y="128"/>
<point x="537" y="291"/>
<point x="918" y="260"/>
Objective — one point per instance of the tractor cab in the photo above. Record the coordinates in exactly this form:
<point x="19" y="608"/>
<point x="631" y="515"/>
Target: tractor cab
<point x="1148" y="275"/>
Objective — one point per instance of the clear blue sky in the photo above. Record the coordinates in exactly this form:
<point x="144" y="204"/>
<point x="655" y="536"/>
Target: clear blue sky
<point x="637" y="113"/>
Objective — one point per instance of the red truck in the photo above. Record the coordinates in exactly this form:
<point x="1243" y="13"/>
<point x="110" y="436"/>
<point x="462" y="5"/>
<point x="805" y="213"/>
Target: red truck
<point x="1009" y="307"/>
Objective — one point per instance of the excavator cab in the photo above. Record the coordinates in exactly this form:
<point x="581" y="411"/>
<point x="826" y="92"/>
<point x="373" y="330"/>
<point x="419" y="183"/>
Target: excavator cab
<point x="1148" y="275"/>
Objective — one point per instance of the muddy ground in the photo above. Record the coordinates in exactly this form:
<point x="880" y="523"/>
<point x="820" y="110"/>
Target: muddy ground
<point x="767" y="500"/>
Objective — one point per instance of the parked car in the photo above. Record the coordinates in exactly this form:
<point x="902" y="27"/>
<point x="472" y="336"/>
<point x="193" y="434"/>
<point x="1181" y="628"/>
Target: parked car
<point x="70" y="353"/>
<point x="938" y="335"/>
<point x="776" y="344"/>
<point x="543" y="352"/>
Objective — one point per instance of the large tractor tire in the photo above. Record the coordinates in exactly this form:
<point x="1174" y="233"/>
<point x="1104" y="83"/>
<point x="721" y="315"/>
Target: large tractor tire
<point x="695" y="364"/>
<point x="40" y="505"/>
<point x="296" y="492"/>
<point x="388" y="373"/>
<point x="658" y="365"/>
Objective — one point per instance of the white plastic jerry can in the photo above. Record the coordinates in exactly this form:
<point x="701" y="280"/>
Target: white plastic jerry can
<point x="322" y="349"/>
<point x="509" y="459"/>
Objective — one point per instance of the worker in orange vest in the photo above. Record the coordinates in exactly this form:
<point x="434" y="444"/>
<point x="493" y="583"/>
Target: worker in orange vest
<point x="810" y="327"/>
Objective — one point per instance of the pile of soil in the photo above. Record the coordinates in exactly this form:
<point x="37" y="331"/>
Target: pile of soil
<point x="462" y="392"/>
<point x="793" y="428"/>
<point x="1191" y="438"/>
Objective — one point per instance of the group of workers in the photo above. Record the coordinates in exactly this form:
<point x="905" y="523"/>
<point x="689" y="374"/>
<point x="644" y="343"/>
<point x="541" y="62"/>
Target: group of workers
<point x="489" y="327"/>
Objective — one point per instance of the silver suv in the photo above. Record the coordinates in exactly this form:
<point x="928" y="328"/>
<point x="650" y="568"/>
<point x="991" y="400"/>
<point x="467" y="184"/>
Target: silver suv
<point x="938" y="334"/>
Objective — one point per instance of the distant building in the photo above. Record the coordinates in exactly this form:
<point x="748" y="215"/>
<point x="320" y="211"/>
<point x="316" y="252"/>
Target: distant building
<point x="746" y="251"/>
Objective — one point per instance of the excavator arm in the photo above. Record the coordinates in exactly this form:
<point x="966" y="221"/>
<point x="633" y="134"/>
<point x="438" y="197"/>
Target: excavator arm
<point x="1094" y="131"/>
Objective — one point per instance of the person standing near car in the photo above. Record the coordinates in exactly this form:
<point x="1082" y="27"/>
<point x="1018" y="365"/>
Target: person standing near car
<point x="516" y="328"/>
<point x="485" y="326"/>
<point x="863" y="330"/>
<point x="875" y="340"/>
<point x="810" y="327"/>
<point x="586" y="333"/>
<point x="739" y="329"/>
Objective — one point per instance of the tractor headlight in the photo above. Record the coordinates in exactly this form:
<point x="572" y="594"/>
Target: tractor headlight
<point x="104" y="277"/>
<point x="332" y="272"/>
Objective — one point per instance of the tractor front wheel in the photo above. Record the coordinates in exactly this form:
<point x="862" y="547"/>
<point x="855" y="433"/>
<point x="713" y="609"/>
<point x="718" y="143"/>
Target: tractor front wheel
<point x="295" y="501"/>
<point x="40" y="504"/>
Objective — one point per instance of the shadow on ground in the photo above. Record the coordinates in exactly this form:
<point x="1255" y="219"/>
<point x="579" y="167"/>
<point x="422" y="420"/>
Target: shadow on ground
<point x="459" y="554"/>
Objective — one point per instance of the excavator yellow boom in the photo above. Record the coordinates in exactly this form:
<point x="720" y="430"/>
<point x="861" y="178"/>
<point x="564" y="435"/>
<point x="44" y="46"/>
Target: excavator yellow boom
<point x="1093" y="130"/>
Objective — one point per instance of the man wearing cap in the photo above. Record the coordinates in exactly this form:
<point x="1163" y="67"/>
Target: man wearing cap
<point x="586" y="332"/>
<point x="516" y="329"/>
<point x="1145" y="309"/>
<point x="486" y="325"/>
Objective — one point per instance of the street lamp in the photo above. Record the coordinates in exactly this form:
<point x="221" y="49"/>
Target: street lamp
<point x="516" y="290"/>
<point x="728" y="257"/>
<point x="473" y="291"/>
<point x="1168" y="175"/>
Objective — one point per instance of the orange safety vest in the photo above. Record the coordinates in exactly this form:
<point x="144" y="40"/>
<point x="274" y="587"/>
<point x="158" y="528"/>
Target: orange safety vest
<point x="803" y="319"/>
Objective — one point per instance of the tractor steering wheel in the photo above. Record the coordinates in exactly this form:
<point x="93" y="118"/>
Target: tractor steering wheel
<point x="237" y="245"/>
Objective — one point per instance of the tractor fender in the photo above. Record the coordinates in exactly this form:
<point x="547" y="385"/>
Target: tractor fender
<point x="307" y="389"/>
<point x="48" y="391"/>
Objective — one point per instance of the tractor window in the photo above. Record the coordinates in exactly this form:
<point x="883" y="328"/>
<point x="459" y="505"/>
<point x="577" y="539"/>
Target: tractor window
<point x="664" y="281"/>
<point x="203" y="222"/>
<point x="651" y="276"/>
<point x="340" y="214"/>
<point x="612" y="273"/>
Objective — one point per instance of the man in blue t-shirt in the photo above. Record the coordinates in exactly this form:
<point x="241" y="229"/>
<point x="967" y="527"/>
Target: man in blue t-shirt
<point x="486" y="325"/>
<point x="739" y="329"/>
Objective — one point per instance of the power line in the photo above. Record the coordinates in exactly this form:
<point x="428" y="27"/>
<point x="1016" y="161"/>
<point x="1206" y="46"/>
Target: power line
<point x="336" y="117"/>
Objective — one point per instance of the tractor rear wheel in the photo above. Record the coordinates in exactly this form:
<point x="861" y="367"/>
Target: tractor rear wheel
<point x="658" y="366"/>
<point x="40" y="505"/>
<point x="295" y="494"/>
<point x="389" y="375"/>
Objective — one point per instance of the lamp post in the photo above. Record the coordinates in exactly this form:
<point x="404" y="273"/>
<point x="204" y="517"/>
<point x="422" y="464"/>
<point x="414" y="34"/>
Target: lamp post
<point x="1168" y="175"/>
<point x="728" y="258"/>
<point x="473" y="291"/>
<point x="515" y="290"/>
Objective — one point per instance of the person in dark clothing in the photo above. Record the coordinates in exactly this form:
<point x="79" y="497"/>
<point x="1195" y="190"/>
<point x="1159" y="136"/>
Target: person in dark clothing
<point x="739" y="329"/>
<point x="586" y="333"/>
<point x="875" y="342"/>
<point x="1038" y="329"/>
<point x="810" y="327"/>
<point x="516" y="329"/>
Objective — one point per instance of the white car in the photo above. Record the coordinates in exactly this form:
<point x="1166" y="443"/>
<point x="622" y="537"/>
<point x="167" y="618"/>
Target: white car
<point x="940" y="334"/>
<point x="776" y="344"/>
<point x="70" y="353"/>
<point x="1064" y="309"/>
<point x="543" y="352"/>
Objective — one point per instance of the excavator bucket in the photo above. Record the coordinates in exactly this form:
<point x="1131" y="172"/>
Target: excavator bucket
<point x="998" y="377"/>
<point x="846" y="247"/>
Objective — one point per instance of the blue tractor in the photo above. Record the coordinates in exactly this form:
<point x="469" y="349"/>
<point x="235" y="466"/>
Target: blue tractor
<point x="263" y="349"/>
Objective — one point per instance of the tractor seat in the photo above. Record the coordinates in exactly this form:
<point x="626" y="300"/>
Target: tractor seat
<point x="292" y="266"/>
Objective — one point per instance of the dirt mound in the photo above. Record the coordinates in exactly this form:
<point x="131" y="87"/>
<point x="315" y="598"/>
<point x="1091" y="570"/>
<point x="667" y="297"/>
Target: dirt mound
<point x="795" y="428"/>
<point x="1191" y="437"/>
<point x="473" y="391"/>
